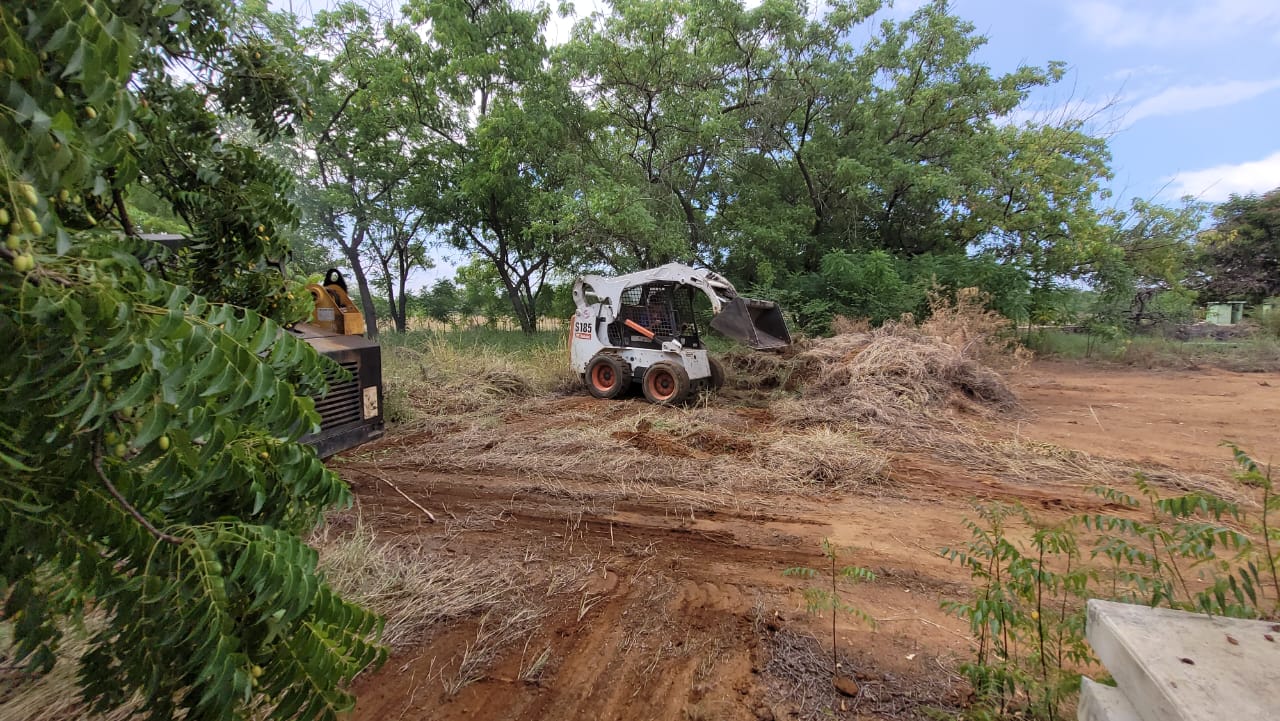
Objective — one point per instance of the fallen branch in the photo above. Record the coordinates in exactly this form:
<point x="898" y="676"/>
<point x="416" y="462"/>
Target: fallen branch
<point x="394" y="487"/>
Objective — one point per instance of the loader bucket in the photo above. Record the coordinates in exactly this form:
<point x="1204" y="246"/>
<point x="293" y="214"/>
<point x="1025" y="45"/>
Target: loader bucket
<point x="758" y="323"/>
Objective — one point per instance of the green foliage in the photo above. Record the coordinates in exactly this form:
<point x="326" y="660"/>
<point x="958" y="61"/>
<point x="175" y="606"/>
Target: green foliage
<point x="1240" y="255"/>
<point x="1269" y="320"/>
<point x="480" y="340"/>
<point x="441" y="301"/>
<point x="764" y="140"/>
<point x="1252" y="475"/>
<point x="1026" y="613"/>
<point x="500" y="122"/>
<point x="1151" y="558"/>
<point x="1182" y="552"/>
<point x="879" y="287"/>
<point x="149" y="465"/>
<point x="827" y="598"/>
<point x="369" y="189"/>
<point x="481" y="292"/>
<point x="1257" y="354"/>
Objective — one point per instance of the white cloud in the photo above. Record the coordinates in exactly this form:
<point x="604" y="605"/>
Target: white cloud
<point x="1190" y="98"/>
<point x="1216" y="183"/>
<point x="1177" y="23"/>
<point x="1119" y="112"/>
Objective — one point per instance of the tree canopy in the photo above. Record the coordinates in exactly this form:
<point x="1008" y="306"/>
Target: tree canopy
<point x="1241" y="253"/>
<point x="774" y="143"/>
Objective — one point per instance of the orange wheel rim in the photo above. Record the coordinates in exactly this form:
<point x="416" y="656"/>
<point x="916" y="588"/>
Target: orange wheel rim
<point x="602" y="377"/>
<point x="662" y="385"/>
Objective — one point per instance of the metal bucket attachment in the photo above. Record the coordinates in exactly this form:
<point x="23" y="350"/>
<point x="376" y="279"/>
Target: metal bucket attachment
<point x="758" y="323"/>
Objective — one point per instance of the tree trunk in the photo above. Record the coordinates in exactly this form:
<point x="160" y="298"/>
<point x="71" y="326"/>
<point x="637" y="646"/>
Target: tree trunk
<point x="522" y="307"/>
<point x="401" y="309"/>
<point x="366" y="297"/>
<point x="395" y="305"/>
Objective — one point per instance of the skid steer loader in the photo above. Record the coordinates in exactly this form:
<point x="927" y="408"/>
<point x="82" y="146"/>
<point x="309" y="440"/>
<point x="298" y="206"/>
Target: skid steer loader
<point x="640" y="329"/>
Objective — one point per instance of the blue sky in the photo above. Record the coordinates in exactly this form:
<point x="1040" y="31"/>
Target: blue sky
<point x="1187" y="91"/>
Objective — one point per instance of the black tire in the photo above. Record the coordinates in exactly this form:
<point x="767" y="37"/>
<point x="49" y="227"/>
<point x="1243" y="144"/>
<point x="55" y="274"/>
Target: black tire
<point x="608" y="376"/>
<point x="717" y="373"/>
<point x="665" y="383"/>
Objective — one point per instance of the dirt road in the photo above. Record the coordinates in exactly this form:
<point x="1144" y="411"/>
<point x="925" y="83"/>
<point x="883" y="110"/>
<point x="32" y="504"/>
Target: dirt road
<point x="644" y="603"/>
<point x="1170" y="418"/>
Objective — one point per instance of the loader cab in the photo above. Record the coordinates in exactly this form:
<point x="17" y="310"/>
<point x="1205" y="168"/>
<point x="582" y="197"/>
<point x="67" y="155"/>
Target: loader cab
<point x="649" y="315"/>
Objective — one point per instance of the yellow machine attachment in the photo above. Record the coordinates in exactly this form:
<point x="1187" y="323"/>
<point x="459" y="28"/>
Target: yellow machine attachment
<point x="334" y="310"/>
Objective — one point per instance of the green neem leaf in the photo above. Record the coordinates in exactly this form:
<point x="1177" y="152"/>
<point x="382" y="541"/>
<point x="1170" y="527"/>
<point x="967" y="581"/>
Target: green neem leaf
<point x="154" y="425"/>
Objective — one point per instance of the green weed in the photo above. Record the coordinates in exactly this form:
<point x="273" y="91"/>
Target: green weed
<point x="1258" y="353"/>
<point x="1026" y="613"/>
<point x="1027" y="610"/>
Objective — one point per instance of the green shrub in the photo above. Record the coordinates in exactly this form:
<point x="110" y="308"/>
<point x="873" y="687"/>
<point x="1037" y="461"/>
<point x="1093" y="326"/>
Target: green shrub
<point x="1027" y="610"/>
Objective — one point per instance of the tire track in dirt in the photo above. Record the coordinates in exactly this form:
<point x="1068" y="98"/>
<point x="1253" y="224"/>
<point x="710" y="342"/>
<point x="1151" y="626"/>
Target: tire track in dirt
<point x="675" y="631"/>
<point x="667" y="600"/>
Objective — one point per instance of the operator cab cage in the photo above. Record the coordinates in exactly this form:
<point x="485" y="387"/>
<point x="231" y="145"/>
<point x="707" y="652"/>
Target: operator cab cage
<point x="663" y="308"/>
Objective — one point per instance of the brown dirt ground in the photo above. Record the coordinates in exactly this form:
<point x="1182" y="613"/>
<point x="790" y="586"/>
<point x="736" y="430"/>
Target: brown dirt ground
<point x="1176" y="418"/>
<point x="651" y="607"/>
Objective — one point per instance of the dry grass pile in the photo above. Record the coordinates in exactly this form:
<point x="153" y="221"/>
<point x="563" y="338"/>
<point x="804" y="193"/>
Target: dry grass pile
<point x="751" y="371"/>
<point x="411" y="587"/>
<point x="823" y="457"/>
<point x="896" y="376"/>
<point x="706" y="451"/>
<point x="968" y="324"/>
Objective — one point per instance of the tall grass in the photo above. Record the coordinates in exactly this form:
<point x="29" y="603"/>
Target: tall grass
<point x="411" y="587"/>
<point x="449" y="372"/>
<point x="54" y="696"/>
<point x="489" y="340"/>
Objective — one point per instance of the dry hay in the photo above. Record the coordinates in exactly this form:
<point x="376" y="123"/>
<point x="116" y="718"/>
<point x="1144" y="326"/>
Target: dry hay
<point x="902" y="388"/>
<point x="894" y="377"/>
<point x="54" y="696"/>
<point x="748" y="370"/>
<point x="435" y="379"/>
<point x="823" y="457"/>
<point x="713" y="452"/>
<point x="906" y="389"/>
<point x="408" y="585"/>
<point x="968" y="323"/>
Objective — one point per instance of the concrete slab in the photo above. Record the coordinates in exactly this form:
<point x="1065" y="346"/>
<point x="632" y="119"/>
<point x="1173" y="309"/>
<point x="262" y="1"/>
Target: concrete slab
<point x="1103" y="703"/>
<point x="1176" y="666"/>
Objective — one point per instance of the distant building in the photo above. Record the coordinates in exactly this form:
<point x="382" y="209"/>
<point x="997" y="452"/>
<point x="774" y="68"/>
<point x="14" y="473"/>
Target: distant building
<point x="1224" y="313"/>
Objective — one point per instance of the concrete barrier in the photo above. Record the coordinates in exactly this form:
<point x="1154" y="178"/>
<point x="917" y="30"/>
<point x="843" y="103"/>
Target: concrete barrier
<point x="1178" y="666"/>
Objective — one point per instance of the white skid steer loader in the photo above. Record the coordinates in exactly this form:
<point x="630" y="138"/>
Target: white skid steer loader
<point x="640" y="328"/>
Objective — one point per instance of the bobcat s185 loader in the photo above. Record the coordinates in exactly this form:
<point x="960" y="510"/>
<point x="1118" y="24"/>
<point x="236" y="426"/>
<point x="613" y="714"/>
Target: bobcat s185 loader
<point x="640" y="329"/>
